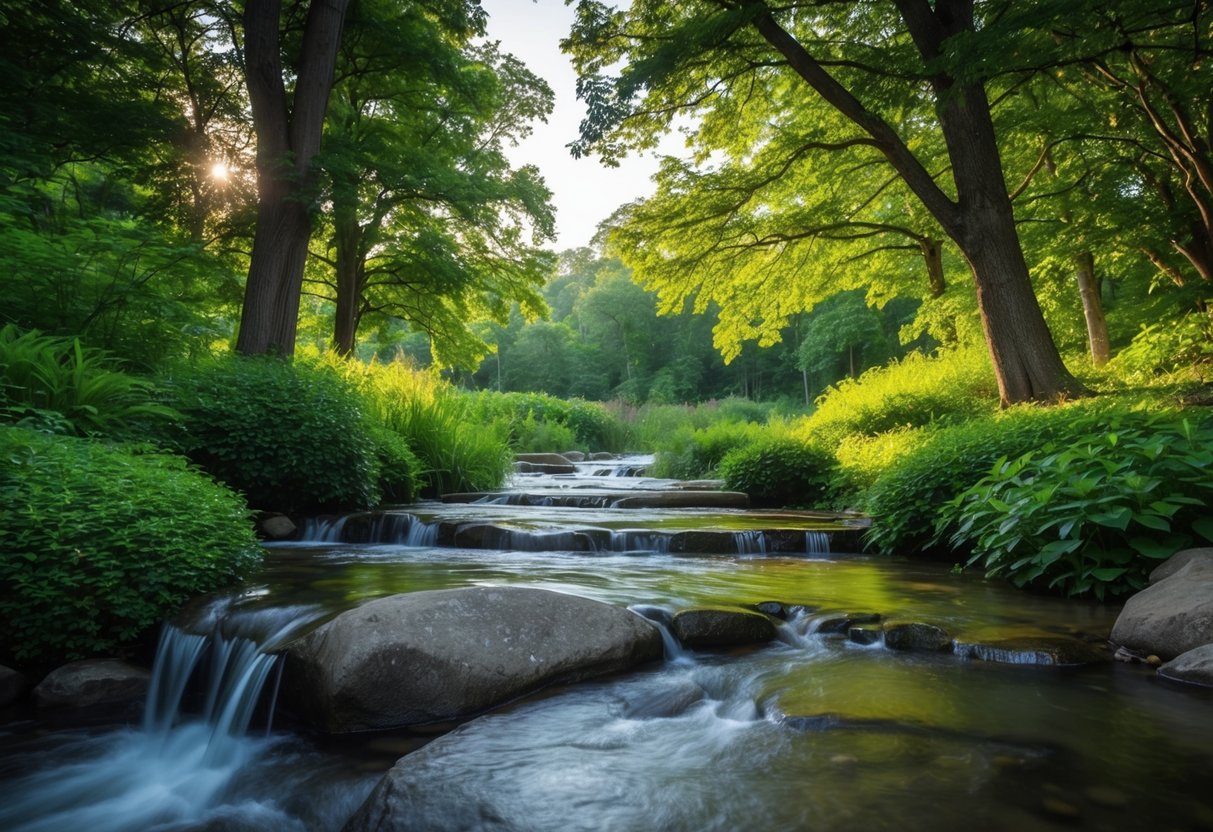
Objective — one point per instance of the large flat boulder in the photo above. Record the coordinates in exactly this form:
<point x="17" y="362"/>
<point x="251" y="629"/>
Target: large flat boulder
<point x="427" y="657"/>
<point x="1172" y="616"/>
<point x="92" y="682"/>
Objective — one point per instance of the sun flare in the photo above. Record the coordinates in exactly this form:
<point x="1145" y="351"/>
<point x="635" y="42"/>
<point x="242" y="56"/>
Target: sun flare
<point x="220" y="172"/>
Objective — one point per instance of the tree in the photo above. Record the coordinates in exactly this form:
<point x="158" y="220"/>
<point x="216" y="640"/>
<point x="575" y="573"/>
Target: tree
<point x="871" y="64"/>
<point x="427" y="220"/>
<point x="289" y="127"/>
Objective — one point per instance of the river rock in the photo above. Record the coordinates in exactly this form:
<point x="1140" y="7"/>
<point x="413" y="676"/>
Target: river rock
<point x="704" y="628"/>
<point x="915" y="635"/>
<point x="276" y="526"/>
<point x="1172" y="616"/>
<point x="12" y="685"/>
<point x="601" y="456"/>
<point x="1033" y="650"/>
<point x="842" y="624"/>
<point x="1179" y="560"/>
<point x="865" y="635"/>
<point x="434" y="656"/>
<point x="92" y="682"/>
<point x="1195" y="666"/>
<point x="546" y="463"/>
<point x="544" y="468"/>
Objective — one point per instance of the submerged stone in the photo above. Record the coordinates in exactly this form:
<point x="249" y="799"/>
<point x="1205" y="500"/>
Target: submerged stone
<point x="865" y="635"/>
<point x="915" y="635"/>
<point x="699" y="629"/>
<point x="440" y="655"/>
<point x="92" y="682"/>
<point x="1029" y="650"/>
<point x="773" y="609"/>
<point x="841" y="624"/>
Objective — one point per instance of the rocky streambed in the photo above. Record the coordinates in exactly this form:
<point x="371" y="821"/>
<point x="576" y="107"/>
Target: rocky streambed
<point x="395" y="679"/>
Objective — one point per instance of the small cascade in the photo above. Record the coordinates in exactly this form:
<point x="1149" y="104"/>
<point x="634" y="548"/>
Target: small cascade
<point x="323" y="529"/>
<point x="639" y="540"/>
<point x="816" y="543"/>
<point x="752" y="542"/>
<point x="421" y="534"/>
<point x="661" y="617"/>
<point x="179" y="767"/>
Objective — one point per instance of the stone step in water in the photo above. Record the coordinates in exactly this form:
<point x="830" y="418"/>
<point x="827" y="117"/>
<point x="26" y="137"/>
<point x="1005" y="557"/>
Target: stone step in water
<point x="582" y="498"/>
<point x="403" y="528"/>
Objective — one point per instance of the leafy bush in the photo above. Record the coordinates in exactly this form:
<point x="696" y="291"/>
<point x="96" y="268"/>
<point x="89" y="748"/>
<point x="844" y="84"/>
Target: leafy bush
<point x="779" y="472"/>
<point x="1093" y="514"/>
<point x="905" y="499"/>
<point x="947" y="388"/>
<point x="1174" y="348"/>
<point x="102" y="542"/>
<point x="590" y="425"/>
<point x="400" y="472"/>
<point x="654" y="425"/>
<point x="290" y="436"/>
<point x="58" y="386"/>
<point x="691" y="454"/>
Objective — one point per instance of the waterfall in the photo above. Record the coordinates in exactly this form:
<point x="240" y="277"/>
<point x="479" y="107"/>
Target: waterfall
<point x="660" y="617"/>
<point x="178" y="766"/>
<point x="323" y="529"/>
<point x="421" y="534"/>
<point x="753" y="542"/>
<point x="639" y="540"/>
<point x="816" y="543"/>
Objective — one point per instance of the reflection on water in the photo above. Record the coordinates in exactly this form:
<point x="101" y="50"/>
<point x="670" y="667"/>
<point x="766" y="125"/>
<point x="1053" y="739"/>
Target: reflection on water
<point x="811" y="732"/>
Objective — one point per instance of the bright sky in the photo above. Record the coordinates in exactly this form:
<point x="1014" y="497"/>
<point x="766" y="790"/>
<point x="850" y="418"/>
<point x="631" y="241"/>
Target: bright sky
<point x="584" y="192"/>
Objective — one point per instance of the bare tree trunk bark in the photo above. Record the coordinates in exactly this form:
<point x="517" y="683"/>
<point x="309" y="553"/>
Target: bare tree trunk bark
<point x="288" y="137"/>
<point x="1092" y="308"/>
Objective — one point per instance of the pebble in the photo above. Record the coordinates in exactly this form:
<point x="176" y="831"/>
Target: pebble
<point x="1153" y="661"/>
<point x="1059" y="808"/>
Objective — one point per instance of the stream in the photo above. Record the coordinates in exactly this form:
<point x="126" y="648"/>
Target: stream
<point x="813" y="731"/>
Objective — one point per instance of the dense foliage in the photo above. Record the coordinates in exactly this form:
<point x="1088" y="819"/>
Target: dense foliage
<point x="779" y="472"/>
<point x="290" y="437"/>
<point x="56" y="384"/>
<point x="101" y="542"/>
<point x="1096" y="512"/>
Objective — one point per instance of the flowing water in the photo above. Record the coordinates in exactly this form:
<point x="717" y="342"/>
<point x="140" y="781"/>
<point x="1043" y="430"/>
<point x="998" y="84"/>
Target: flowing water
<point x="813" y="731"/>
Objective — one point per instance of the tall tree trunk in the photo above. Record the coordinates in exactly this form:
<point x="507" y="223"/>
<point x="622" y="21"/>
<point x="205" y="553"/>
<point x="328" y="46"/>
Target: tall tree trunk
<point x="288" y="131"/>
<point x="932" y="253"/>
<point x="1025" y="358"/>
<point x="351" y="280"/>
<point x="1092" y="308"/>
<point x="980" y="221"/>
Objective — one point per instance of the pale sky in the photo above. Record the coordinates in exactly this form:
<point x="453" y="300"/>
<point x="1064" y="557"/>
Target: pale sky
<point x="583" y="191"/>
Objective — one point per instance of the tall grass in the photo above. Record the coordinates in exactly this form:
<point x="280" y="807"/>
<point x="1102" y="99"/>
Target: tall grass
<point x="456" y="453"/>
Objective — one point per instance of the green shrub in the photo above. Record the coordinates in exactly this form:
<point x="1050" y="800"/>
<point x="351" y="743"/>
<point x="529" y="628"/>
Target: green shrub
<point x="779" y="472"/>
<point x="290" y="436"/>
<point x="530" y="436"/>
<point x="692" y="454"/>
<point x="1094" y="513"/>
<point x="58" y="386"/>
<point x="1172" y="349"/>
<point x="905" y="499"/>
<point x="947" y="388"/>
<point x="400" y="472"/>
<point x="100" y="543"/>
